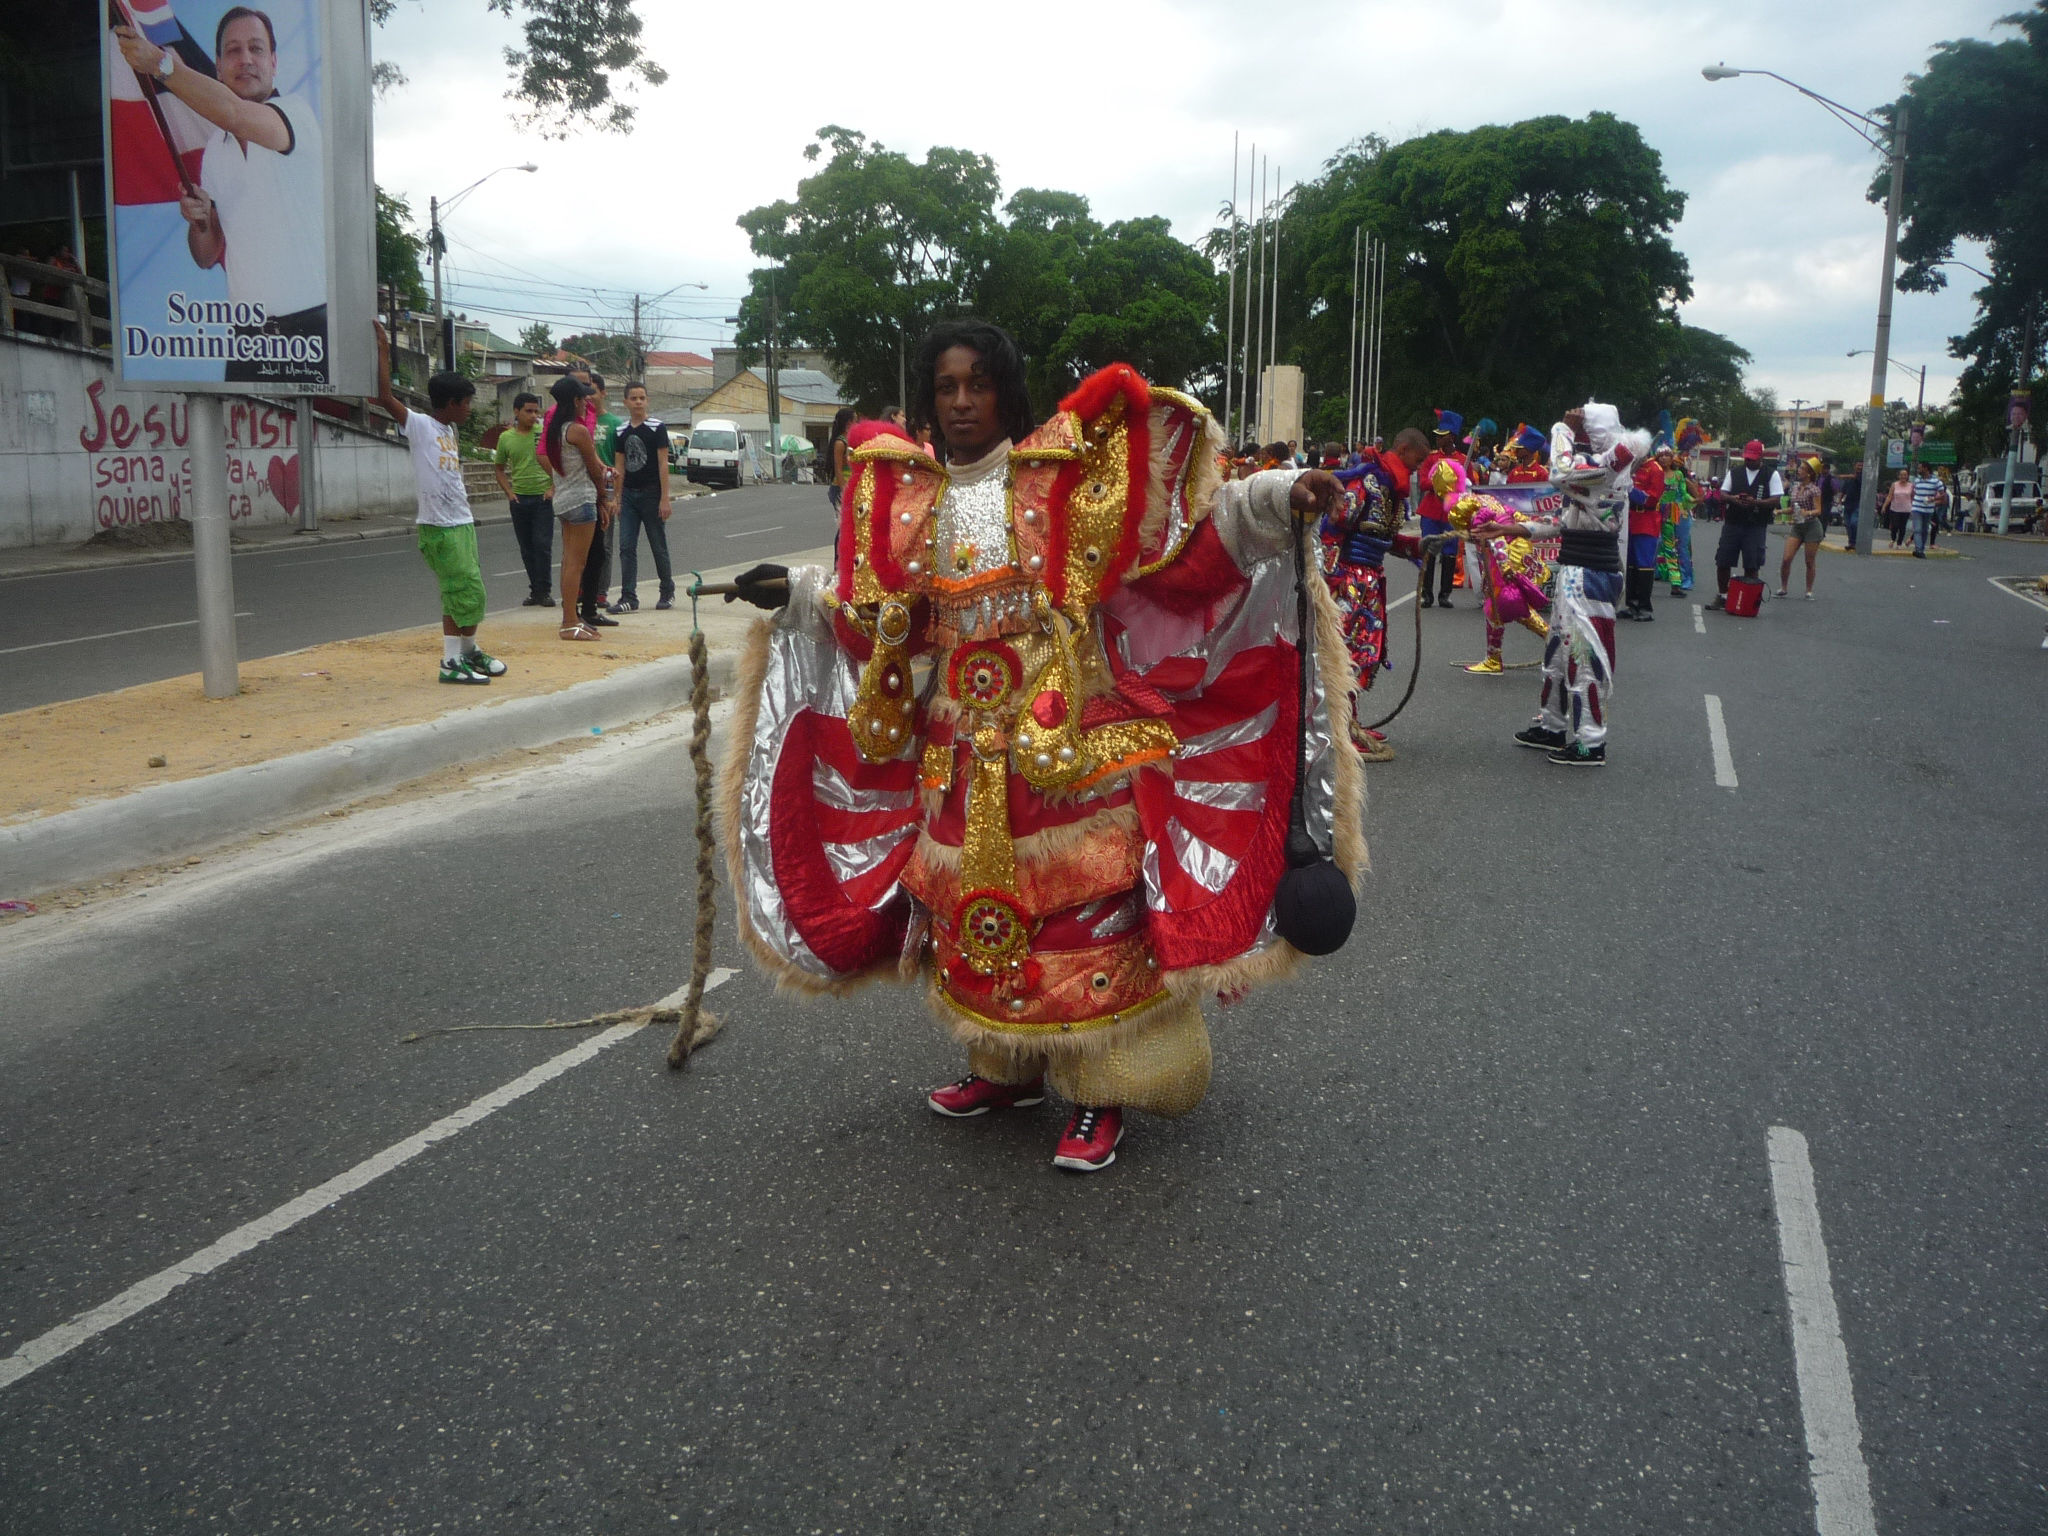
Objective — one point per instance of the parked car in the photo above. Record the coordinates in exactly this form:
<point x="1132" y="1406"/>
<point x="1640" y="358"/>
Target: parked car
<point x="716" y="452"/>
<point x="2026" y="495"/>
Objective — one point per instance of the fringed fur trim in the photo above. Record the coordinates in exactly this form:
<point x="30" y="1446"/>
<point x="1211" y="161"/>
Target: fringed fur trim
<point x="1055" y="1045"/>
<point x="731" y="792"/>
<point x="1278" y="961"/>
<point x="1203" y="476"/>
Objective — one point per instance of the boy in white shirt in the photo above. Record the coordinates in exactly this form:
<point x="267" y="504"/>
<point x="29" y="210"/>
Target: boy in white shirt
<point x="447" y="531"/>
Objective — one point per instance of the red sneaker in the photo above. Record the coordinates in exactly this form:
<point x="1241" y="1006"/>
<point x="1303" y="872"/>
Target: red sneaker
<point x="977" y="1096"/>
<point x="1089" y="1146"/>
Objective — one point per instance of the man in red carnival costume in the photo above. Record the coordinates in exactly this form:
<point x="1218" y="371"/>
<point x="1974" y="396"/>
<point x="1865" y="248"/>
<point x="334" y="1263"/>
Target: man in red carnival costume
<point x="1036" y="738"/>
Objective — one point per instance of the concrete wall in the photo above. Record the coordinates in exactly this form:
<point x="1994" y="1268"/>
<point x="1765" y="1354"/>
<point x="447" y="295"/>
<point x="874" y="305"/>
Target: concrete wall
<point x="78" y="455"/>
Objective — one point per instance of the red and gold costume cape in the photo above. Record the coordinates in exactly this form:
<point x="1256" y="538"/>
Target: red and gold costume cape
<point x="1055" y="778"/>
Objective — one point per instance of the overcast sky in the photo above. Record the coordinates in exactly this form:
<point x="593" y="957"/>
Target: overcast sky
<point x="1133" y="105"/>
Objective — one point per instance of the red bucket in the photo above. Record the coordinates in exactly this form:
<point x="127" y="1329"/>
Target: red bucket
<point x="1745" y="597"/>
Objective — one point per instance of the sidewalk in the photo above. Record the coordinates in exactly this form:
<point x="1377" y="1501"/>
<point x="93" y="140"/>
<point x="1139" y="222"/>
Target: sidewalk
<point x="117" y="779"/>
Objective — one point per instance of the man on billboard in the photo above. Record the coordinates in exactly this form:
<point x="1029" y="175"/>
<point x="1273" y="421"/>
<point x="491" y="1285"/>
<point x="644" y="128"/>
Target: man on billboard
<point x="259" y="210"/>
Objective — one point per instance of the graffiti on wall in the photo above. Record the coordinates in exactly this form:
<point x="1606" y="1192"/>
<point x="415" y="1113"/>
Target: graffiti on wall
<point x="141" y="469"/>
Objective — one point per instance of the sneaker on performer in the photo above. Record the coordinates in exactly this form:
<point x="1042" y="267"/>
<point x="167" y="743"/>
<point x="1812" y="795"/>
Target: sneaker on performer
<point x="1091" y="1138"/>
<point x="1543" y="741"/>
<point x="478" y="660"/>
<point x="459" y="671"/>
<point x="1578" y="755"/>
<point x="974" y="1095"/>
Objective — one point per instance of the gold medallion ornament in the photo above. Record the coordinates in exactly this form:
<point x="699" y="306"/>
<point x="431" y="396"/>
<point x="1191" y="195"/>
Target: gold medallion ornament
<point x="994" y="933"/>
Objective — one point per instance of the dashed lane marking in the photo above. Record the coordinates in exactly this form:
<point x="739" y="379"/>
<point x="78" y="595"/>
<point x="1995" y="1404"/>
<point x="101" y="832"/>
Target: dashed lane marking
<point x="747" y="532"/>
<point x="1717" y="735"/>
<point x="144" y="1294"/>
<point x="1699" y="619"/>
<point x="1827" y="1397"/>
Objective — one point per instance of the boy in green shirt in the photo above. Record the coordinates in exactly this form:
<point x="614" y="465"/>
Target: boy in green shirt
<point x="529" y="488"/>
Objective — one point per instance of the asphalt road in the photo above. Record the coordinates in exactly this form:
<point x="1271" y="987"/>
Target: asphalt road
<point x="71" y="633"/>
<point x="1475" y="1232"/>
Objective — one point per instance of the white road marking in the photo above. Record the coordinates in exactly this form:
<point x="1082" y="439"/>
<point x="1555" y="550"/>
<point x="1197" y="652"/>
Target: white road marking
<point x="1699" y="619"/>
<point x="745" y="532"/>
<point x="375" y="554"/>
<point x="112" y="634"/>
<point x="144" y="1294"/>
<point x="1827" y="1398"/>
<point x="2030" y="601"/>
<point x="1717" y="733"/>
<point x="1397" y="602"/>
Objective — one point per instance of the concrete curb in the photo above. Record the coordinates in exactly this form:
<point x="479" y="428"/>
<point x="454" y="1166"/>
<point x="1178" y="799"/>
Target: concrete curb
<point x="167" y="821"/>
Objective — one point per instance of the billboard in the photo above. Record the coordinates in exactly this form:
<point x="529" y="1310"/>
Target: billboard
<point x="241" y="214"/>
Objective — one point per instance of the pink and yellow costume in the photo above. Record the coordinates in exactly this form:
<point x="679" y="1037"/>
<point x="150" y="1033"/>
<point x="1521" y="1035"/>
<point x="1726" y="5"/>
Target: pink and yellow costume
<point x="1513" y="573"/>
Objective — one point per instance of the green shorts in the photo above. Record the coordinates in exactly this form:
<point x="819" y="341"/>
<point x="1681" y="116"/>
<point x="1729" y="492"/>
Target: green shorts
<point x="450" y="554"/>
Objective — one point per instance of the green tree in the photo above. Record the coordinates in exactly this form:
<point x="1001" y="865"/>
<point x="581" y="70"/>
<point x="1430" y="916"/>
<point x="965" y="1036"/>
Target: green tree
<point x="536" y="338"/>
<point x="612" y="355"/>
<point x="580" y="58"/>
<point x="399" y="251"/>
<point x="1977" y="169"/>
<point x="1078" y="296"/>
<point x="1531" y="267"/>
<point x="873" y="248"/>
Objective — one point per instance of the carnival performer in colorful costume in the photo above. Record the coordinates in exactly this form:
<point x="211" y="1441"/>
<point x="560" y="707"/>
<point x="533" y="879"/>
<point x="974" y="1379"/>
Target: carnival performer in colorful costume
<point x="1674" y="544"/>
<point x="1035" y="740"/>
<point x="1356" y="541"/>
<point x="1511" y="573"/>
<point x="1591" y="461"/>
<point x="1435" y="590"/>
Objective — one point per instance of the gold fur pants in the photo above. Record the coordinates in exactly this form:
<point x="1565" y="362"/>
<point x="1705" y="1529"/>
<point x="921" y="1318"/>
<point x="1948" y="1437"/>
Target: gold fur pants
<point x="1161" y="1067"/>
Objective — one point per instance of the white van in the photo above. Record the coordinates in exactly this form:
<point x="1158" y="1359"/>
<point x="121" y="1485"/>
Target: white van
<point x="716" y="451"/>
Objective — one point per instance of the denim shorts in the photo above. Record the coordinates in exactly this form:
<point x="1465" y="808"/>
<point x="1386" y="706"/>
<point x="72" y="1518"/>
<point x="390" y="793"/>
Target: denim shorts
<point x="586" y="513"/>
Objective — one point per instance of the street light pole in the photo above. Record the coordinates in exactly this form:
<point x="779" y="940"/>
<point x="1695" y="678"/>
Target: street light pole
<point x="435" y="241"/>
<point x="1873" y="429"/>
<point x="1892" y="141"/>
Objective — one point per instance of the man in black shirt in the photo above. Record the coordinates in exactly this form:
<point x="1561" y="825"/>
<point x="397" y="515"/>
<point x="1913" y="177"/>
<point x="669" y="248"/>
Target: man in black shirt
<point x="1751" y="492"/>
<point x="641" y="454"/>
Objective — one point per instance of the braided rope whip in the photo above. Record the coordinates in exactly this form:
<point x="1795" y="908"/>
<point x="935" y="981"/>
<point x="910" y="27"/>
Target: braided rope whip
<point x="695" y="1026"/>
<point x="1433" y="541"/>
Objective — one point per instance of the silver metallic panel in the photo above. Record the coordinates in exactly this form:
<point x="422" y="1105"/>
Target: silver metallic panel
<point x="1234" y="796"/>
<point x="1208" y="866"/>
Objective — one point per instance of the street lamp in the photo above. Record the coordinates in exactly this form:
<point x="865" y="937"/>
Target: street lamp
<point x="434" y="244"/>
<point x="1892" y="141"/>
<point x="1920" y="406"/>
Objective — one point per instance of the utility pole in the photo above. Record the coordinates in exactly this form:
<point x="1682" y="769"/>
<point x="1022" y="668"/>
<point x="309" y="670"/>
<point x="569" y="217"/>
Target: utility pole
<point x="2012" y="427"/>
<point x="1873" y="427"/>
<point x="434" y="243"/>
<point x="1257" y="391"/>
<point x="1351" y="357"/>
<point x="1230" y="302"/>
<point x="774" y="391"/>
<point x="1798" y="421"/>
<point x="639" y="348"/>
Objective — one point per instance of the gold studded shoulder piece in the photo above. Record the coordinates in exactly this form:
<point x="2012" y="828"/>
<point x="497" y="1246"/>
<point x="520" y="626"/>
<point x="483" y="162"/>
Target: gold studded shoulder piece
<point x="885" y="520"/>
<point x="1089" y="470"/>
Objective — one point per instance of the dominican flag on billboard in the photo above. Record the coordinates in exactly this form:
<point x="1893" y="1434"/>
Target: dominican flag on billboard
<point x="157" y="140"/>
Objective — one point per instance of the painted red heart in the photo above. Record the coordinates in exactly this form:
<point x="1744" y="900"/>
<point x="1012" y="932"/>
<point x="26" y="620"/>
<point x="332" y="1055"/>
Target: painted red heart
<point x="283" y="479"/>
